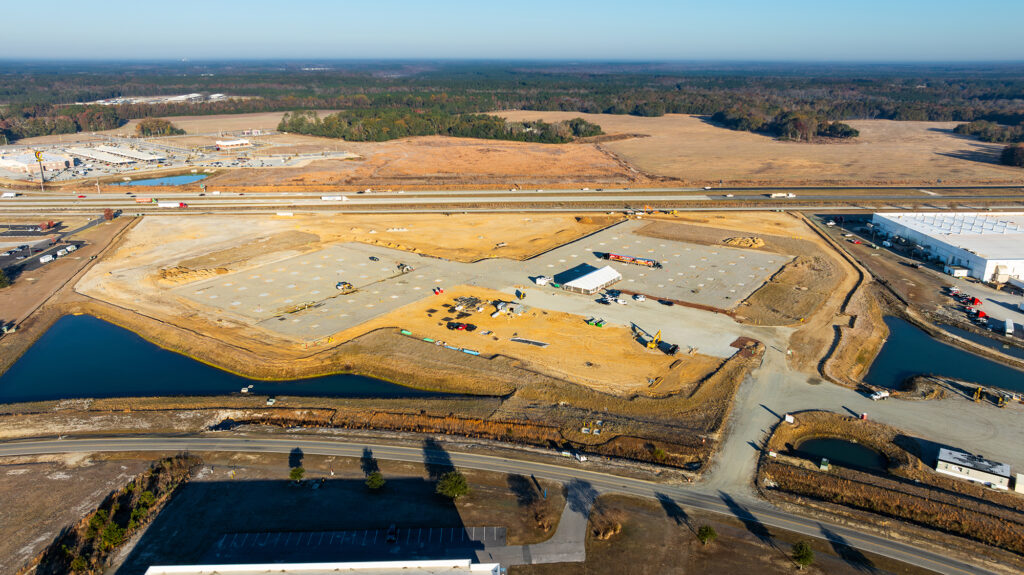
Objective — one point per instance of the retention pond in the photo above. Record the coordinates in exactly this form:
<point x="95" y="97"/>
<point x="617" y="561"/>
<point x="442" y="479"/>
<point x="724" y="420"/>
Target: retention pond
<point x="85" y="357"/>
<point x="842" y="452"/>
<point x="910" y="351"/>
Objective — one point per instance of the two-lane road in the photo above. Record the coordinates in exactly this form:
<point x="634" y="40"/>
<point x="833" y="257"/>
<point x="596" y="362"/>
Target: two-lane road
<point x="747" y="510"/>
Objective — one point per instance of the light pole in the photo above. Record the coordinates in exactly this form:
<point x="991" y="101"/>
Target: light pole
<point x="42" y="174"/>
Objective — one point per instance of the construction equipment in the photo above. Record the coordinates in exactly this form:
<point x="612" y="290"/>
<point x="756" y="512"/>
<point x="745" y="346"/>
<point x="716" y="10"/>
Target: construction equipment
<point x="655" y="341"/>
<point x="977" y="393"/>
<point x="404" y="268"/>
<point x="344" y="287"/>
<point x="633" y="260"/>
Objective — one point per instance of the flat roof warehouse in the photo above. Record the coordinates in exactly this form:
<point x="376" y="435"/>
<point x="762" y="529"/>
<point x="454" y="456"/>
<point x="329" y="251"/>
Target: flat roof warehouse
<point x="988" y="243"/>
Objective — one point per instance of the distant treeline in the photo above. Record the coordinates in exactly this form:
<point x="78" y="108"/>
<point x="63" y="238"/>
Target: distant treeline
<point x="790" y="101"/>
<point x="389" y="124"/>
<point x="804" y="126"/>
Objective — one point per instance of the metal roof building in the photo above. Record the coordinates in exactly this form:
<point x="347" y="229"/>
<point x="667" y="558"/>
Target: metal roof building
<point x="989" y="244"/>
<point x="130" y="153"/>
<point x="973" y="468"/>
<point x="26" y="162"/>
<point x="99" y="156"/>
<point x="594" y="281"/>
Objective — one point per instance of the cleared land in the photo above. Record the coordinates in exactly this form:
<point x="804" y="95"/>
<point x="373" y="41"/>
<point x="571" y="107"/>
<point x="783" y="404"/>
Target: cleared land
<point x="39" y="496"/>
<point x="436" y="161"/>
<point x="172" y="268"/>
<point x="690" y="149"/>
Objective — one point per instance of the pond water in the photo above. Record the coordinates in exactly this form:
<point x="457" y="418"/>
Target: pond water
<point x="82" y="356"/>
<point x="999" y="346"/>
<point x="166" y="181"/>
<point x="842" y="452"/>
<point x="910" y="351"/>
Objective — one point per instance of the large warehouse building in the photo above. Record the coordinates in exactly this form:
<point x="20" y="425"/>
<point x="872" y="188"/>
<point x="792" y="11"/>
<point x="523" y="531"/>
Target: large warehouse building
<point x="989" y="245"/>
<point x="26" y="162"/>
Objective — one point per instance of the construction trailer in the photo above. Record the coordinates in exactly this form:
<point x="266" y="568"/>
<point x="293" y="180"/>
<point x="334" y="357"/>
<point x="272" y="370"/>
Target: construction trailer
<point x="973" y="468"/>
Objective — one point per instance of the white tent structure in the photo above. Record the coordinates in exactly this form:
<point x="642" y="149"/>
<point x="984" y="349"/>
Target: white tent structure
<point x="594" y="281"/>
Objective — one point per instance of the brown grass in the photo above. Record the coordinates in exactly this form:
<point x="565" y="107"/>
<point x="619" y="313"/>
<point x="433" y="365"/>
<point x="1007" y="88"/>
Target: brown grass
<point x="690" y="149"/>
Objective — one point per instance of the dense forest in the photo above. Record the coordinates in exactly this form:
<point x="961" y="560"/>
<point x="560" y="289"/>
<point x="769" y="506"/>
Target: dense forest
<point x="791" y="101"/>
<point x="388" y="124"/>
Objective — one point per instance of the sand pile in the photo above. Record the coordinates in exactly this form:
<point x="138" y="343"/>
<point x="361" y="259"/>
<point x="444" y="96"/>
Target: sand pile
<point x="751" y="242"/>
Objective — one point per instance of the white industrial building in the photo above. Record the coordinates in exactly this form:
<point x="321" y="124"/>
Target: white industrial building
<point x="411" y="567"/>
<point x="95" y="155"/>
<point x="594" y="281"/>
<point x="973" y="468"/>
<point x="988" y="245"/>
<point x="131" y="154"/>
<point x="231" y="144"/>
<point x="26" y="162"/>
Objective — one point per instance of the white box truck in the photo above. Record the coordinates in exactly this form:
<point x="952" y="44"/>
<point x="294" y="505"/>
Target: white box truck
<point x="9" y="195"/>
<point x="46" y="259"/>
<point x="71" y="248"/>
<point x="1009" y="327"/>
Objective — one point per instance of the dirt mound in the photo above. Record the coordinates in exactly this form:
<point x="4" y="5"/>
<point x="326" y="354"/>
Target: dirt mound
<point x="178" y="275"/>
<point x="751" y="242"/>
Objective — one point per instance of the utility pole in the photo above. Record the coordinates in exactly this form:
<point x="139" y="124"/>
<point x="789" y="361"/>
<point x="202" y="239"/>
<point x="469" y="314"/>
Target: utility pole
<point x="42" y="174"/>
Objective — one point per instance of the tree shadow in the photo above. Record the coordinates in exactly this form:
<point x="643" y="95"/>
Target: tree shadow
<point x="674" y="511"/>
<point x="851" y="555"/>
<point x="436" y="460"/>
<point x="524" y="490"/>
<point x="755" y="527"/>
<point x="271" y="521"/>
<point x="984" y="155"/>
<point x="580" y="496"/>
<point x="295" y="458"/>
<point x="368" y="463"/>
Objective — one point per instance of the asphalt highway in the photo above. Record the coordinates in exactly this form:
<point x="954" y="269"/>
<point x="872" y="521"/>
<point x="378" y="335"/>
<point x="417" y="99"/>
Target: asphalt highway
<point x="751" y="512"/>
<point x="504" y="200"/>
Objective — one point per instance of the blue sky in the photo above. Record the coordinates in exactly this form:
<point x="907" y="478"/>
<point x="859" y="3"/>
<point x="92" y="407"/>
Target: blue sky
<point x="847" y="30"/>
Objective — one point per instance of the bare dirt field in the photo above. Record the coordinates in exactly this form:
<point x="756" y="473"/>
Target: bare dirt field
<point x="39" y="496"/>
<point x="607" y="359"/>
<point x="887" y="152"/>
<point x="439" y="161"/>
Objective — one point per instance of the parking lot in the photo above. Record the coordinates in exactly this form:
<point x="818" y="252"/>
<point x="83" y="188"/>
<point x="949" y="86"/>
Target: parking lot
<point x="296" y="295"/>
<point x="363" y="544"/>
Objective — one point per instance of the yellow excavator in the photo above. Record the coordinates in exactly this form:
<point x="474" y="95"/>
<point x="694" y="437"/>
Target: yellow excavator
<point x="653" y="344"/>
